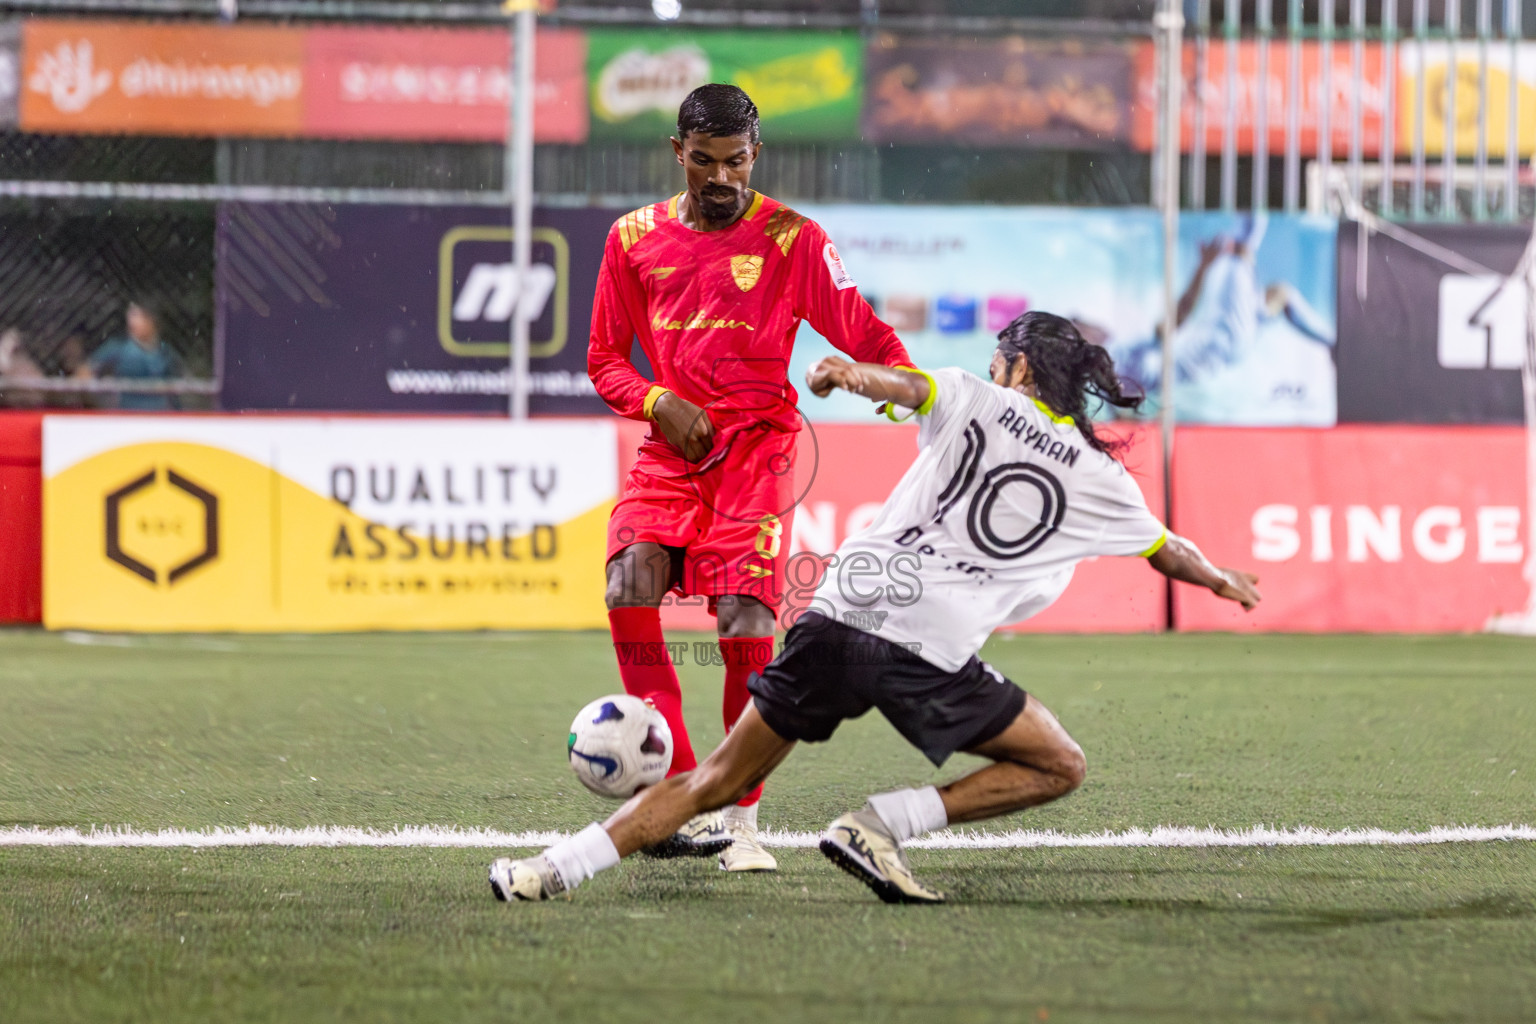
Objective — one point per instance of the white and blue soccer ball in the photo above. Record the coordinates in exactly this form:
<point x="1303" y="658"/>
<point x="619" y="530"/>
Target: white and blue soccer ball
<point x="618" y="745"/>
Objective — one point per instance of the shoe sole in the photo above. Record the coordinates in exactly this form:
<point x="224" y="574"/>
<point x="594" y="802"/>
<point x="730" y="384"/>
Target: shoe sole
<point x="764" y="870"/>
<point x="673" y="848"/>
<point x="881" y="887"/>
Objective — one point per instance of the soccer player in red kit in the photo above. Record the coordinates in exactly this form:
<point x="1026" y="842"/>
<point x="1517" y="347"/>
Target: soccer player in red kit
<point x="714" y="283"/>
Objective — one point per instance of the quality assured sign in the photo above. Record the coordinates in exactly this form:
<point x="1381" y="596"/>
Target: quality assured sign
<point x="161" y="523"/>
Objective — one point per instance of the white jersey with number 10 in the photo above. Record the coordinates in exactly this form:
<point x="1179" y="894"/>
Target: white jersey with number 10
<point x="986" y="526"/>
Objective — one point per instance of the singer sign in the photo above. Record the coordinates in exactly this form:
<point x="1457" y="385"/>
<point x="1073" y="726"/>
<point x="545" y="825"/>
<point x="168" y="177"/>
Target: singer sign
<point x="1369" y="528"/>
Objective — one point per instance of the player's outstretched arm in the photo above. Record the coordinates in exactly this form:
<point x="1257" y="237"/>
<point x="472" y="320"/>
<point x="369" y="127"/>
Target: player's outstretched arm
<point x="873" y="381"/>
<point x="1179" y="559"/>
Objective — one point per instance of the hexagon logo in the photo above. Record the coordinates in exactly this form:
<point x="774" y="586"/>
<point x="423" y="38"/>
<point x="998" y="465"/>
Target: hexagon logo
<point x="162" y="526"/>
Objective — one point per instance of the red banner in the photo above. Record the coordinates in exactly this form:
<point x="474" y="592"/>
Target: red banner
<point x="21" y="517"/>
<point x="1273" y="88"/>
<point x="244" y="80"/>
<point x="449" y="84"/>
<point x="845" y="471"/>
<point x="1358" y="528"/>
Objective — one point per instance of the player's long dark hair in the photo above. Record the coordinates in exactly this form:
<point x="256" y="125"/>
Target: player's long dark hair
<point x="1068" y="371"/>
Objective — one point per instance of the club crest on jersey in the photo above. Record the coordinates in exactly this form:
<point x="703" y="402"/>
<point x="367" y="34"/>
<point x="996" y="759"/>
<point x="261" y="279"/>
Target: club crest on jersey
<point x="745" y="270"/>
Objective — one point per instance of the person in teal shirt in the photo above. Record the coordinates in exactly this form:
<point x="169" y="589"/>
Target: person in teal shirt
<point x="140" y="355"/>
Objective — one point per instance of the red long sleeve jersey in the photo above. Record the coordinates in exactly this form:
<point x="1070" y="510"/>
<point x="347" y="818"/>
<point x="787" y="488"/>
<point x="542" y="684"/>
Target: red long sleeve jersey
<point x="716" y="311"/>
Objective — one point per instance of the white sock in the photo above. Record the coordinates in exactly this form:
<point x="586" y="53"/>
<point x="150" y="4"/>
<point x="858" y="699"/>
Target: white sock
<point x="910" y="812"/>
<point x="746" y="816"/>
<point x="583" y="855"/>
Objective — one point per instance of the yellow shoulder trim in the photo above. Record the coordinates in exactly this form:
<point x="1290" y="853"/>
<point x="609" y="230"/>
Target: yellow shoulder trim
<point x="636" y="224"/>
<point x="756" y="204"/>
<point x="1156" y="547"/>
<point x="1065" y="421"/>
<point x="672" y="205"/>
<point x="651" y="398"/>
<point x="783" y="227"/>
<point x="922" y="410"/>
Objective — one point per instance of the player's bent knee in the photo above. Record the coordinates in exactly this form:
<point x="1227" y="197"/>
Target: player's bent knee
<point x="1071" y="769"/>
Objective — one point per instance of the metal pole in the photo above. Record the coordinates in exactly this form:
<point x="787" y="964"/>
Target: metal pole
<point x="1325" y="26"/>
<point x="1480" y="157"/>
<point x="1293" y="109"/>
<point x="1231" y="29"/>
<point x="519" y="181"/>
<point x="1420" y="114"/>
<point x="1449" y="121"/>
<point x="1356" y="97"/>
<point x="1260" y="197"/>
<point x="1202" y="73"/>
<point x="1387" y="204"/>
<point x="1512" y="126"/>
<point x="1169" y="25"/>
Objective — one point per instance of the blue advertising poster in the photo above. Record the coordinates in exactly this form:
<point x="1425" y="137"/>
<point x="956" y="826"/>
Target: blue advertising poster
<point x="402" y="308"/>
<point x="1255" y="340"/>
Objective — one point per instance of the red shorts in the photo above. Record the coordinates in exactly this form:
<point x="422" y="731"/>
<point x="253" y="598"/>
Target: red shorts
<point x="731" y="516"/>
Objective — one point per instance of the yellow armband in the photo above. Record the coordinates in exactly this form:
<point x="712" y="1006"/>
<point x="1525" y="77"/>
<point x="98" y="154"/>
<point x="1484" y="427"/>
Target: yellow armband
<point x="651" y="398"/>
<point x="889" y="408"/>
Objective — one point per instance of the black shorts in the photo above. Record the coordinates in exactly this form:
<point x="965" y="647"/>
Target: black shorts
<point x="829" y="672"/>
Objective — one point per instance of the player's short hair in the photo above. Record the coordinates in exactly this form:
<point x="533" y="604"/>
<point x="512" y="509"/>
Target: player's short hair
<point x="717" y="110"/>
<point x="1068" y="371"/>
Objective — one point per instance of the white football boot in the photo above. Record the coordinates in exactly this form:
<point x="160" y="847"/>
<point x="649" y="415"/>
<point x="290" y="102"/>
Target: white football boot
<point x="861" y="845"/>
<point x="702" y="835"/>
<point x="745" y="853"/>
<point x="531" y="879"/>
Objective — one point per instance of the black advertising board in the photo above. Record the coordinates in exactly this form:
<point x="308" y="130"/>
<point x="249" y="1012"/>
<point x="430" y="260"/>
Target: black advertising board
<point x="402" y="308"/>
<point x="1421" y="341"/>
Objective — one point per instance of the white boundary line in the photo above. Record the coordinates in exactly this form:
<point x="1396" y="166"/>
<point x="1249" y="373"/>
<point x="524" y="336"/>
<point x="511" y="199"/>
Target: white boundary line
<point x="476" y="838"/>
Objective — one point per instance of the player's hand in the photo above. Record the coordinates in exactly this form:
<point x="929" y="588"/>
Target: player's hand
<point x="1239" y="586"/>
<point x="833" y="372"/>
<point x="684" y="424"/>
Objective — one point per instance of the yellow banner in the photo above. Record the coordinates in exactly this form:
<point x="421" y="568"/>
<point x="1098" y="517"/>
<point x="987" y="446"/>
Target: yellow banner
<point x="165" y="524"/>
<point x="1433" y="74"/>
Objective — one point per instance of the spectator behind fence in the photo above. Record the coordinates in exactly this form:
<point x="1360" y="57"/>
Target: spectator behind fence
<point x="140" y="355"/>
<point x="17" y="364"/>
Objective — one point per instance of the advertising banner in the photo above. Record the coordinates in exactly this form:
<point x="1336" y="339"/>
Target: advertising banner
<point x="384" y="83"/>
<point x="1431" y="73"/>
<point x="843" y="474"/>
<point x="806" y="84"/>
<point x="1359" y="528"/>
<point x="1257" y="308"/>
<point x="449" y="84"/>
<point x="396" y="308"/>
<point x="10" y="71"/>
<point x="1212" y="98"/>
<point x="214" y="523"/>
<point x="1423" y="342"/>
<point x="120" y="77"/>
<point x="997" y="92"/>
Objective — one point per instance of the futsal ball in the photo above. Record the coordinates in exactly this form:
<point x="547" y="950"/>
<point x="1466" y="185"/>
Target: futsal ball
<point x="618" y="745"/>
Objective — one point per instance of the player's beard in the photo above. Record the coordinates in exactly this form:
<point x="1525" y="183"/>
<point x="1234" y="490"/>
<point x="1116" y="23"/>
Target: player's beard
<point x="719" y="205"/>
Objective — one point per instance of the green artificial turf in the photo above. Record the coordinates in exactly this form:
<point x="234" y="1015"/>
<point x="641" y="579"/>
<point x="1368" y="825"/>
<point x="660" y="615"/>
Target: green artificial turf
<point x="380" y="730"/>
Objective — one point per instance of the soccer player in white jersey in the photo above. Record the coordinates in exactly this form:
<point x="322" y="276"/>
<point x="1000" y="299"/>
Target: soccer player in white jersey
<point x="1010" y="490"/>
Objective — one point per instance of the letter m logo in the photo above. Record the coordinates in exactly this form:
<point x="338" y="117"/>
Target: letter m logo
<point x="869" y="621"/>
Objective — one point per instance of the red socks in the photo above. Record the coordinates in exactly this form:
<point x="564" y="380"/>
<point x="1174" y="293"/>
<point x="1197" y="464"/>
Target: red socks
<point x="743" y="655"/>
<point x="645" y="666"/>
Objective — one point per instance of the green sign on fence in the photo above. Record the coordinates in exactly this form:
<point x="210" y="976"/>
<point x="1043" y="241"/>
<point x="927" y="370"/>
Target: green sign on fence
<point x="806" y="86"/>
